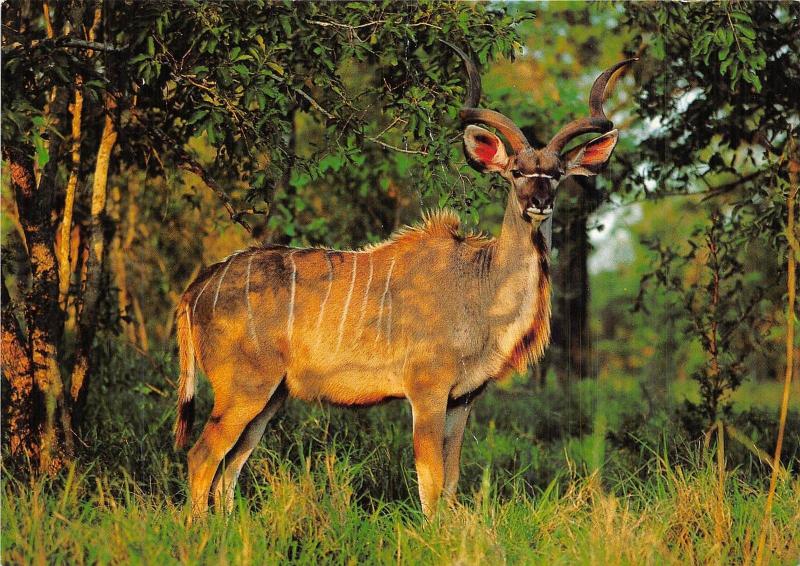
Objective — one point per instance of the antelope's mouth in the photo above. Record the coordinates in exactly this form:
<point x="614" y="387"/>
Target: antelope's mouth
<point x="535" y="213"/>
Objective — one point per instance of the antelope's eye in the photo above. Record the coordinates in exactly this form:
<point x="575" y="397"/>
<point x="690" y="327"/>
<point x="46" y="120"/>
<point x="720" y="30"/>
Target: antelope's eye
<point x="516" y="173"/>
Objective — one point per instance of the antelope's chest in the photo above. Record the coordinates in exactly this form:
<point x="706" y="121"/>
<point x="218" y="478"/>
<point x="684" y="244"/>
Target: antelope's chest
<point x="517" y="327"/>
<point x="517" y="305"/>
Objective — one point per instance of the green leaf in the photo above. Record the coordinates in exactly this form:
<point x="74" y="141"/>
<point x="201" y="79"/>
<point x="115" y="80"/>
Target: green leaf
<point x="725" y="64"/>
<point x="332" y="161"/>
<point x="756" y="83"/>
<point x="42" y="155"/>
<point x="300" y="180"/>
<point x="198" y="115"/>
<point x="741" y="16"/>
<point x="728" y="37"/>
<point x="748" y="32"/>
<point x="275" y="67"/>
<point x="241" y="70"/>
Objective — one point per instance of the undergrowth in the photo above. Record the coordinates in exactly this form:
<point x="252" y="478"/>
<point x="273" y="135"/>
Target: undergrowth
<point x="583" y="475"/>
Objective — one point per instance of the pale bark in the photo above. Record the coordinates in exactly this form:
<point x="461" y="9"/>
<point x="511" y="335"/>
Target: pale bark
<point x="64" y="272"/>
<point x="94" y="268"/>
<point x="117" y="259"/>
<point x="48" y="23"/>
<point x="141" y="327"/>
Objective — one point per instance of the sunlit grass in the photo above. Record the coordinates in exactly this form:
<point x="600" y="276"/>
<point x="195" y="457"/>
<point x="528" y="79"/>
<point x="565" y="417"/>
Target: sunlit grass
<point x="587" y="474"/>
<point x="311" y="515"/>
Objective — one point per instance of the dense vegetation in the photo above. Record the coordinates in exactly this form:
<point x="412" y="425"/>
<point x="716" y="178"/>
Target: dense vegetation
<point x="142" y="141"/>
<point x="549" y="476"/>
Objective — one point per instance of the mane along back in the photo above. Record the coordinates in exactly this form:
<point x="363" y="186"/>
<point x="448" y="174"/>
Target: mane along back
<point x="442" y="223"/>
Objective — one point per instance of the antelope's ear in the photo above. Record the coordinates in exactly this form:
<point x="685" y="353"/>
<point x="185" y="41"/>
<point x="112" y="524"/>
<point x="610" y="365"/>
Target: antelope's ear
<point x="484" y="150"/>
<point x="590" y="157"/>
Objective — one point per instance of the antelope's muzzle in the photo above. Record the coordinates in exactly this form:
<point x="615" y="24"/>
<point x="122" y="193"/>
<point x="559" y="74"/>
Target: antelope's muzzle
<point x="539" y="202"/>
<point x="536" y="213"/>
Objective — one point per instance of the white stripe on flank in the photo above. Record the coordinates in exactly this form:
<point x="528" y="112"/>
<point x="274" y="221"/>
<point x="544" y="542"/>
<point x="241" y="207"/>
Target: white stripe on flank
<point x="389" y="320"/>
<point x="365" y="300"/>
<point x="383" y="300"/>
<point x="327" y="294"/>
<point x="250" y="322"/>
<point x="221" y="277"/>
<point x="290" y="321"/>
<point x="188" y="390"/>
<point x="347" y="302"/>
<point x="200" y="294"/>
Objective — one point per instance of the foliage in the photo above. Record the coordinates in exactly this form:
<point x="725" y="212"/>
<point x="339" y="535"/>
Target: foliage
<point x="705" y="115"/>
<point x="716" y="300"/>
<point x="715" y="88"/>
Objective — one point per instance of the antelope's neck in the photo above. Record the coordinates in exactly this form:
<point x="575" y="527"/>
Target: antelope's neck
<point x="520" y="247"/>
<point x="519" y="308"/>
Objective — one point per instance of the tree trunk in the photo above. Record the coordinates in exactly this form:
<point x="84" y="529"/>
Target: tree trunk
<point x="94" y="270"/>
<point x="43" y="315"/>
<point x="117" y="259"/>
<point x="18" y="424"/>
<point x="571" y="342"/>
<point x="141" y="327"/>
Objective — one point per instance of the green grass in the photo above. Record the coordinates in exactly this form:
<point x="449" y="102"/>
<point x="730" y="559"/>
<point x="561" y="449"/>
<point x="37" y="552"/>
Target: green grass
<point x="312" y="515"/>
<point x="584" y="475"/>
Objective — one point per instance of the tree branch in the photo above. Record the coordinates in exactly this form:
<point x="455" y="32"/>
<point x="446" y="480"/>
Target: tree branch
<point x="93" y="45"/>
<point x="65" y="43"/>
<point x="730" y="186"/>
<point x="395" y="148"/>
<point x="314" y="103"/>
<point x="188" y="163"/>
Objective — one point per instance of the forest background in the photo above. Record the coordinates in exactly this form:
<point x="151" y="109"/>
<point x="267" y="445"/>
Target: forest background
<point x="143" y="141"/>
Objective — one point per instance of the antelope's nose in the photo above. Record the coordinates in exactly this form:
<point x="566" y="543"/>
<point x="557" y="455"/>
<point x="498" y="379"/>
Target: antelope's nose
<point x="542" y="201"/>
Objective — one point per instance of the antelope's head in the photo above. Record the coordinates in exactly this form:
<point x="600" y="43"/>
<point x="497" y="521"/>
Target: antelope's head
<point x="534" y="174"/>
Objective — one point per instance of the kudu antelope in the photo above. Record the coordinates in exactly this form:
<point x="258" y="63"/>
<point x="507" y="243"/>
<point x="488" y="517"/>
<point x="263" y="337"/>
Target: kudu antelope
<point x="430" y="315"/>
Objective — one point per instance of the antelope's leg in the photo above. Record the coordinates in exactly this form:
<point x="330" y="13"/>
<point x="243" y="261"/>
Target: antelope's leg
<point x="224" y="483"/>
<point x="429" y="419"/>
<point x="223" y="429"/>
<point x="454" y="425"/>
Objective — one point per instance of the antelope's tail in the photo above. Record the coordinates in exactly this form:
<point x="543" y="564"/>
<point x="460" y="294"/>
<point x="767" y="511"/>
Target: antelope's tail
<point x="186" y="384"/>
